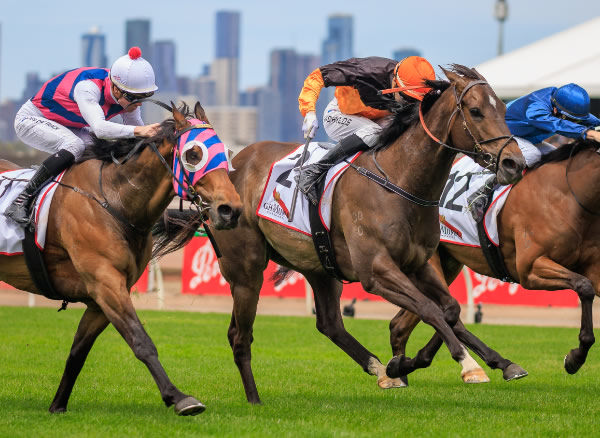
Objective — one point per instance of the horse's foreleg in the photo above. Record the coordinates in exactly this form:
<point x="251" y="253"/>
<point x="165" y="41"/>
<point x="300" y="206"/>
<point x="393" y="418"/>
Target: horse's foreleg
<point x="545" y="274"/>
<point x="393" y="285"/>
<point x="401" y="327"/>
<point x="245" y="302"/>
<point x="327" y="293"/>
<point x="428" y="281"/>
<point x="92" y="323"/>
<point x="118" y="308"/>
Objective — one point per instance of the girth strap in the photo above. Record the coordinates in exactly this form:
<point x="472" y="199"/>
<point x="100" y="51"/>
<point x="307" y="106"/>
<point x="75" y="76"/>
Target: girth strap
<point x="322" y="240"/>
<point x="492" y="253"/>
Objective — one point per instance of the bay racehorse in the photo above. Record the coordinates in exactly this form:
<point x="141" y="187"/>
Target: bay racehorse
<point x="379" y="238"/>
<point x="549" y="231"/>
<point x="99" y="239"/>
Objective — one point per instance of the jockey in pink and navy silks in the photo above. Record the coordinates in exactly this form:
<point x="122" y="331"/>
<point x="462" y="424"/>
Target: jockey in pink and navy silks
<point x="63" y="114"/>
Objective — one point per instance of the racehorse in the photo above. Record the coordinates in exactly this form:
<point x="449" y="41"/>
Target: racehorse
<point x="549" y="231"/>
<point x="99" y="239"/>
<point x="379" y="238"/>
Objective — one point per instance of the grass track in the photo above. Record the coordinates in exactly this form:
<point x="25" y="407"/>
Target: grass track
<point x="308" y="386"/>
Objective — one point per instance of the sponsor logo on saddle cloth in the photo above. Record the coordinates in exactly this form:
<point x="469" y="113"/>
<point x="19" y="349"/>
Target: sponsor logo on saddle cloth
<point x="11" y="234"/>
<point x="276" y="200"/>
<point x="214" y="156"/>
<point x="456" y="223"/>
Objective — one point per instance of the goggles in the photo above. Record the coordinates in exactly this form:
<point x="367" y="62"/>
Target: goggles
<point x="135" y="96"/>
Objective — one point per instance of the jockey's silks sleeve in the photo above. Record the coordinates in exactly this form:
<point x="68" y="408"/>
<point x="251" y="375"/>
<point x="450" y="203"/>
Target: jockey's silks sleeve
<point x="310" y="92"/>
<point x="357" y="81"/>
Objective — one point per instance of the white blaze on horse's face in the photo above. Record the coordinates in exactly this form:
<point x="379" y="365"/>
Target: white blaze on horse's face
<point x="493" y="101"/>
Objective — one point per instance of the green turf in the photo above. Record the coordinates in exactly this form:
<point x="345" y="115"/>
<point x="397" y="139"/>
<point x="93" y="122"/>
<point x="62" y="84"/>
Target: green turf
<point x="308" y="386"/>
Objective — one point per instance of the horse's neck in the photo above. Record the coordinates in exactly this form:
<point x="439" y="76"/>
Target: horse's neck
<point x="141" y="188"/>
<point x="583" y="173"/>
<point x="420" y="164"/>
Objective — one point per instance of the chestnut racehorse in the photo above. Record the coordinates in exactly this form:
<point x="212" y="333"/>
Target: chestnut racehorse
<point x="94" y="253"/>
<point x="549" y="231"/>
<point x="381" y="239"/>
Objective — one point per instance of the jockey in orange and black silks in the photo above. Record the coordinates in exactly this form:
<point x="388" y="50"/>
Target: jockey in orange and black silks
<point x="189" y="165"/>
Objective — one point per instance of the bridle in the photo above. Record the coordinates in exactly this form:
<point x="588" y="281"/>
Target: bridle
<point x="478" y="151"/>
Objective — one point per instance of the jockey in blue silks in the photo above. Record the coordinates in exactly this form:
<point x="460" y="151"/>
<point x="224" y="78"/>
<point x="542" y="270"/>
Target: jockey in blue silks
<point x="537" y="116"/>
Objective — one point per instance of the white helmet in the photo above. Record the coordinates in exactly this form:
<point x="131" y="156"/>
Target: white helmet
<point x="132" y="73"/>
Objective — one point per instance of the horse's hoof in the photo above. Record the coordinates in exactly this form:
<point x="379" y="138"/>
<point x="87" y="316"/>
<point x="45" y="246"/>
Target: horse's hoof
<point x="475" y="376"/>
<point x="571" y="365"/>
<point x="60" y="410"/>
<point x="513" y="372"/>
<point x="386" y="382"/>
<point x="189" y="406"/>
<point x="397" y="367"/>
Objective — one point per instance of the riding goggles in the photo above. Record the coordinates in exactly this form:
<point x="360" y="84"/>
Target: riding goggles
<point x="131" y="97"/>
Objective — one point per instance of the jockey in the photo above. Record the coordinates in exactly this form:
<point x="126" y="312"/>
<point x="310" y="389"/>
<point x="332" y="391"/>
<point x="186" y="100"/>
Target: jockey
<point x="357" y="114"/>
<point x="536" y="117"/>
<point x="69" y="107"/>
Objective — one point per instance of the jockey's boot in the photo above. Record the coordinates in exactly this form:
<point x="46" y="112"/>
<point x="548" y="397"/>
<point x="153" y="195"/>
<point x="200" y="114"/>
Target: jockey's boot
<point x="478" y="201"/>
<point x="50" y="168"/>
<point x="308" y="181"/>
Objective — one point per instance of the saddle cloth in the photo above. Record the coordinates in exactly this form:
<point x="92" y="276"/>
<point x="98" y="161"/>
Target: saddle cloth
<point x="11" y="233"/>
<point x="276" y="200"/>
<point x="456" y="223"/>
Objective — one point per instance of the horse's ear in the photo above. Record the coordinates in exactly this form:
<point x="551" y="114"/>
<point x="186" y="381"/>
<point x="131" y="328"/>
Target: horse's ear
<point x="457" y="80"/>
<point x="200" y="113"/>
<point x="180" y="121"/>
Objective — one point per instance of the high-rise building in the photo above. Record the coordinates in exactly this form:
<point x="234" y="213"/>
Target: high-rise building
<point x="339" y="42"/>
<point x="405" y="52"/>
<point x="228" y="34"/>
<point x="33" y="83"/>
<point x="288" y="71"/>
<point x="338" y="46"/>
<point x="93" y="49"/>
<point x="163" y="62"/>
<point x="225" y="67"/>
<point x="137" y="33"/>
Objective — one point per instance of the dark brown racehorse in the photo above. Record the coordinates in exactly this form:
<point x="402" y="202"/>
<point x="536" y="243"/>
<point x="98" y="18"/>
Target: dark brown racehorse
<point x="95" y="254"/>
<point x="549" y="230"/>
<point x="381" y="239"/>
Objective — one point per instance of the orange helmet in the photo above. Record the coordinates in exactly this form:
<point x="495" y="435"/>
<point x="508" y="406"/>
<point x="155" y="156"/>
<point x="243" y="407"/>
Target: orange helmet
<point x="413" y="71"/>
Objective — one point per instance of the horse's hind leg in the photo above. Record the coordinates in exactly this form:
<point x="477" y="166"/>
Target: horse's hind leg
<point x="113" y="299"/>
<point x="327" y="293"/>
<point x="92" y="323"/>
<point x="546" y="274"/>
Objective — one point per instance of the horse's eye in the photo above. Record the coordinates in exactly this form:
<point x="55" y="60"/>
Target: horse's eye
<point x="476" y="112"/>
<point x="192" y="157"/>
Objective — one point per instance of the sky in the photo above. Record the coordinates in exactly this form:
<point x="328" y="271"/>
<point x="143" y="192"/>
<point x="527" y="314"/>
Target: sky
<point x="45" y="36"/>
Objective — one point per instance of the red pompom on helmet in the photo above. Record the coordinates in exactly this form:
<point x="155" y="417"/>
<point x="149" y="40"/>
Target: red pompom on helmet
<point x="135" y="52"/>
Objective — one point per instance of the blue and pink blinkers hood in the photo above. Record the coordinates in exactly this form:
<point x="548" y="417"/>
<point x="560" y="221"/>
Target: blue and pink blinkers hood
<point x="214" y="156"/>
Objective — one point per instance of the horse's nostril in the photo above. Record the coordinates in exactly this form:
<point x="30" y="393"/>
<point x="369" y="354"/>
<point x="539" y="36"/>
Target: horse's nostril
<point x="225" y="212"/>
<point x="509" y="164"/>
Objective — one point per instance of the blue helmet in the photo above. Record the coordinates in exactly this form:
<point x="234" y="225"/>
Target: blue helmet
<point x="572" y="101"/>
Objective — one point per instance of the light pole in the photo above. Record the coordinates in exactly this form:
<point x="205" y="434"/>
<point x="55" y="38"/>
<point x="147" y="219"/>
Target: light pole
<point x="500" y="13"/>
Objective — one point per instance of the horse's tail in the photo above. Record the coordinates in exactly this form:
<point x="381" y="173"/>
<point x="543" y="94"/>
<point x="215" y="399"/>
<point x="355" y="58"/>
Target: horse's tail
<point x="281" y="274"/>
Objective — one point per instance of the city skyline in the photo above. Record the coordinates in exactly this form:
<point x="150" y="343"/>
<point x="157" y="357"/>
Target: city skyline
<point x="465" y="35"/>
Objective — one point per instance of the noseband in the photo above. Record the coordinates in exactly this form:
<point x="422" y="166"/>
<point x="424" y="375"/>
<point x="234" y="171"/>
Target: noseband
<point x="488" y="158"/>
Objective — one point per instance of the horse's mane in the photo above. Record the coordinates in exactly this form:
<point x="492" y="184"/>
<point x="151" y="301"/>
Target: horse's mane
<point x="563" y="152"/>
<point x="407" y="114"/>
<point x="104" y="150"/>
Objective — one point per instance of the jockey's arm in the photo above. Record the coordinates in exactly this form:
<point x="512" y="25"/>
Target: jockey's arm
<point x="538" y="115"/>
<point x="88" y="95"/>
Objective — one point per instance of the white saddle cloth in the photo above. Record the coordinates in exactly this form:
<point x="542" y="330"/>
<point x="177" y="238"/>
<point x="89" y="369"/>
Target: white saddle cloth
<point x="11" y="234"/>
<point x="456" y="223"/>
<point x="276" y="200"/>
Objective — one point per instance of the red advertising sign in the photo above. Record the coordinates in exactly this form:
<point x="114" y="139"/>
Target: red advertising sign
<point x="201" y="275"/>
